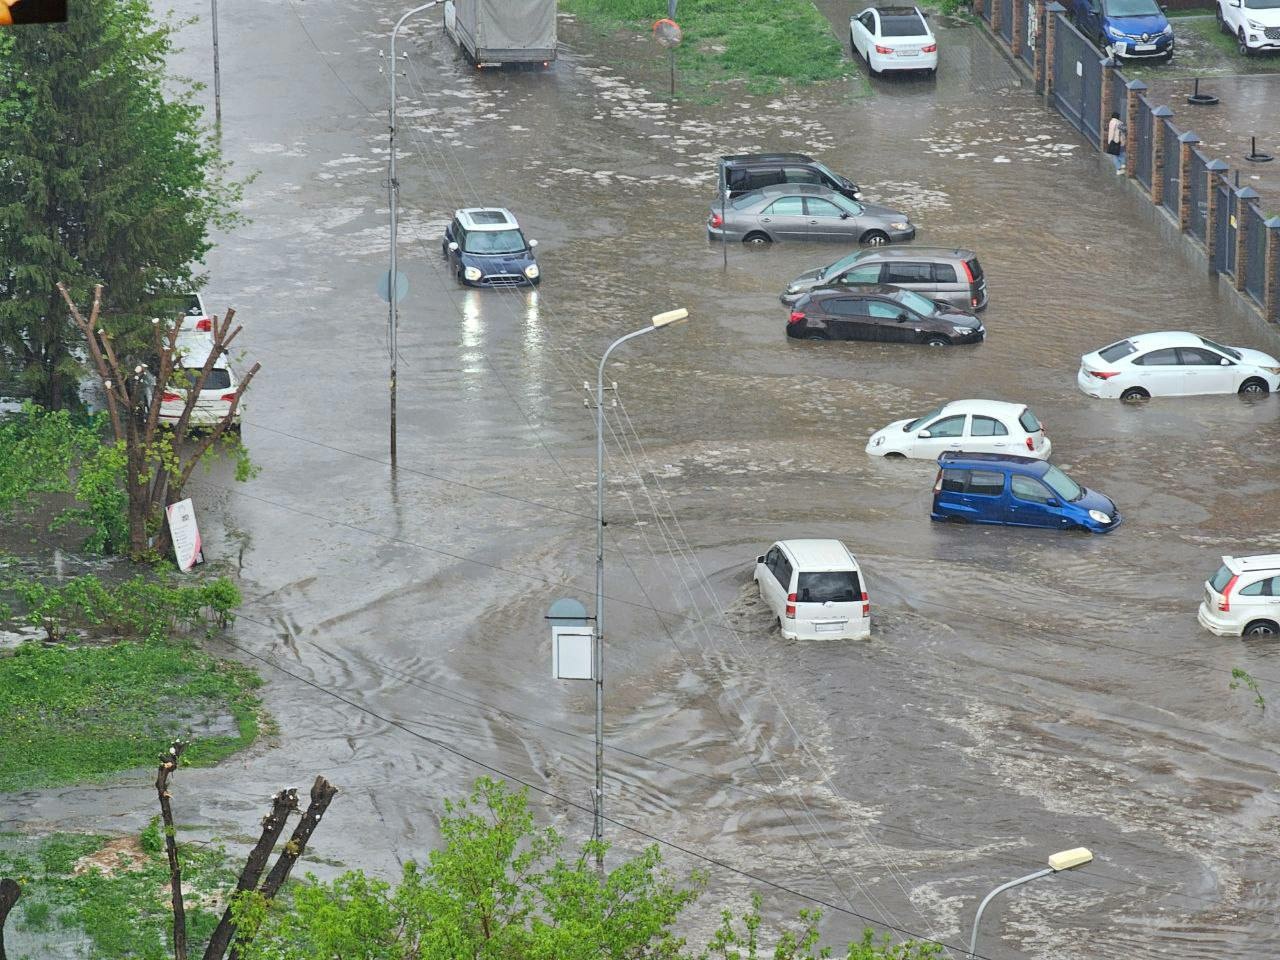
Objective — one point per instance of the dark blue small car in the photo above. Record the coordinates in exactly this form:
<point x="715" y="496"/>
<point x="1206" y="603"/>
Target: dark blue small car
<point x="485" y="247"/>
<point x="1019" y="492"/>
<point x="1128" y="29"/>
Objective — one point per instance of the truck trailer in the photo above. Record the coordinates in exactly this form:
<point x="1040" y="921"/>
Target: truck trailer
<point x="497" y="32"/>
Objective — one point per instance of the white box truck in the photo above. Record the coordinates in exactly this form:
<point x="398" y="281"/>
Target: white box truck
<point x="497" y="32"/>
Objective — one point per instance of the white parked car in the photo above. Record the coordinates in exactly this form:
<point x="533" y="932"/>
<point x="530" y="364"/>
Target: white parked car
<point x="1174" y="364"/>
<point x="894" y="38"/>
<point x="1254" y="23"/>
<point x="815" y="589"/>
<point x="1243" y="598"/>
<point x="971" y="426"/>
<point x="219" y="389"/>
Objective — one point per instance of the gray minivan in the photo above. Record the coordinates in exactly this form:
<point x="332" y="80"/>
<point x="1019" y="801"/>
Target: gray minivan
<point x="940" y="273"/>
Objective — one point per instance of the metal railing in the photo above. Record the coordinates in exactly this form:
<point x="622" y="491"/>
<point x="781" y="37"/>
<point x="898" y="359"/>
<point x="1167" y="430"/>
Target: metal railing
<point x="1225" y="254"/>
<point x="1198" y="218"/>
<point x="1142" y="142"/>
<point x="1255" y="246"/>
<point x="1006" y="19"/>
<point x="1171" y="180"/>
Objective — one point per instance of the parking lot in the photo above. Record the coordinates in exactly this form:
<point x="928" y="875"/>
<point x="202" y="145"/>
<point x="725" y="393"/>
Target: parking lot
<point x="1022" y="691"/>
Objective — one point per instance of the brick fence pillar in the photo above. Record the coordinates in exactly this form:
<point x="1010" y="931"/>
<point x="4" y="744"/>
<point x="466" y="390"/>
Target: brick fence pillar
<point x="1036" y="35"/>
<point x="1104" y="110"/>
<point x="997" y="17"/>
<point x="1271" y="286"/>
<point x="1019" y="18"/>
<point x="1214" y="171"/>
<point x="1185" y="142"/>
<point x="1157" y="153"/>
<point x="1050" y="46"/>
<point x="978" y="7"/>
<point x="1244" y="197"/>
<point x="1133" y="90"/>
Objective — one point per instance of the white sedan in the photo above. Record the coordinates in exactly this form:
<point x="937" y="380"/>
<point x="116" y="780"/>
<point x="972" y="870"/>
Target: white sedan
<point x="894" y="38"/>
<point x="1175" y="364"/>
<point x="971" y="426"/>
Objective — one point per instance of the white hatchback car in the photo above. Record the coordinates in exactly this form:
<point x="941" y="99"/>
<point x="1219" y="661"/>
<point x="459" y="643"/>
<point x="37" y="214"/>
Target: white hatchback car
<point x="1173" y="364"/>
<point x="894" y="38"/>
<point x="972" y="426"/>
<point x="1243" y="598"/>
<point x="219" y="389"/>
<point x="815" y="589"/>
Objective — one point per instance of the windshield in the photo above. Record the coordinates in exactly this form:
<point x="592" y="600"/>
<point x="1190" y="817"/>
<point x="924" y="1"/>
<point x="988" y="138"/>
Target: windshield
<point x="919" y="420"/>
<point x="843" y="264"/>
<point x="1063" y="485"/>
<point x="1132" y="8"/>
<point x="836" y="178"/>
<point x="1233" y="354"/>
<point x="495" y="241"/>
<point x="836" y="586"/>
<point x="1262" y="4"/>
<point x="844" y="203"/>
<point x="919" y="304"/>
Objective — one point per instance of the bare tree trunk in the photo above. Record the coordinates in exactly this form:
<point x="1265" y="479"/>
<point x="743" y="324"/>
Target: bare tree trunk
<point x="282" y="804"/>
<point x="169" y="763"/>
<point x="9" y="894"/>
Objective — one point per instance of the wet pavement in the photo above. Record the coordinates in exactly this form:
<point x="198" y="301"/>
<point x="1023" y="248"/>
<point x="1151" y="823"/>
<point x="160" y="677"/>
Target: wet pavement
<point x="1022" y="692"/>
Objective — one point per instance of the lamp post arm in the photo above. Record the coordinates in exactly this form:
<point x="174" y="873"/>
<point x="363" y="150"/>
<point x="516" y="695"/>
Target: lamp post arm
<point x="973" y="940"/>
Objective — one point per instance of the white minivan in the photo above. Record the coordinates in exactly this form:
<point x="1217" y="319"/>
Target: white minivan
<point x="1243" y="598"/>
<point x="815" y="589"/>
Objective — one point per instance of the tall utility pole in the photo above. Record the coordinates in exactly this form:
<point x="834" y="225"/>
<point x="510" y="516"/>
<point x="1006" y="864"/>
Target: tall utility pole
<point x="217" y="70"/>
<point x="393" y="191"/>
<point x="656" y="323"/>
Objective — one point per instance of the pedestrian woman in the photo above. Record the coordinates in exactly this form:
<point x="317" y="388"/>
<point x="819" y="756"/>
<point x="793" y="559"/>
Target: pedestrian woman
<point x="1115" y="141"/>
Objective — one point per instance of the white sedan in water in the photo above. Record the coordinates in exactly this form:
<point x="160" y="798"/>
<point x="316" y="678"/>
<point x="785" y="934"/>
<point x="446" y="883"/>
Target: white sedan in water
<point x="971" y="426"/>
<point x="1174" y="364"/>
<point x="894" y="38"/>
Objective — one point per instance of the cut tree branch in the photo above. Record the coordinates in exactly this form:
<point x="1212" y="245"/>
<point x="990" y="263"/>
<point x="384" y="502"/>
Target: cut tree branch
<point x="9" y="894"/>
<point x="168" y="763"/>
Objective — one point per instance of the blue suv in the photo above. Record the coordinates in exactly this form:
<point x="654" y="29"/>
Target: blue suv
<point x="485" y="247"/>
<point x="1019" y="492"/>
<point x="1130" y="29"/>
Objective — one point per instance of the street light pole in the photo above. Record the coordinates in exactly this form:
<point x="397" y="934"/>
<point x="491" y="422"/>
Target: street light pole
<point x="1065" y="860"/>
<point x="217" y="71"/>
<point x="656" y="323"/>
<point x="393" y="191"/>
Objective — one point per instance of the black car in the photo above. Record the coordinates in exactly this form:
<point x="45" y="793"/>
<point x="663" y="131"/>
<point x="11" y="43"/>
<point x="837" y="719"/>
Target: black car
<point x="881" y="312"/>
<point x="745" y="172"/>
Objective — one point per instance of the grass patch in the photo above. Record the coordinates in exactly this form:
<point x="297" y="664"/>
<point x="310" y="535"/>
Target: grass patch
<point x="124" y="914"/>
<point x="76" y="714"/>
<point x="764" y="42"/>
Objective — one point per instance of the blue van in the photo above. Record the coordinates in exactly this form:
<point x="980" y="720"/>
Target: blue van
<point x="1129" y="29"/>
<point x="1017" y="491"/>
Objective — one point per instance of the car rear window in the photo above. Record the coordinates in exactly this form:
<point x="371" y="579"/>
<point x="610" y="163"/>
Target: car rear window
<point x="911" y="26"/>
<point x="835" y="586"/>
<point x="975" y="268"/>
<point x="218" y="379"/>
<point x="1029" y="421"/>
<point x="1221" y="578"/>
<point x="1117" y="350"/>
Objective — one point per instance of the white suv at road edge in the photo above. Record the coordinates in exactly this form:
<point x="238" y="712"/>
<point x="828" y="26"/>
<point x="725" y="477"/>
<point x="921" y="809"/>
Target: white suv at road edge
<point x="1243" y="598"/>
<point x="1254" y="23"/>
<point x="815" y="589"/>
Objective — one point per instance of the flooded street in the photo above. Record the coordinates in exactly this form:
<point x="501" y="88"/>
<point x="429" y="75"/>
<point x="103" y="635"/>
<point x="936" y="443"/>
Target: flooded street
<point x="1023" y="692"/>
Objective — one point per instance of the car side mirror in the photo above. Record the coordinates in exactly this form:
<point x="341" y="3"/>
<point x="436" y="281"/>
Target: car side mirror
<point x="1052" y="502"/>
<point x="844" y="214"/>
<point x="1224" y="362"/>
<point x="902" y="318"/>
<point x="453" y="246"/>
<point x="924" y="434"/>
<point x="532" y="244"/>
<point x="760" y="559"/>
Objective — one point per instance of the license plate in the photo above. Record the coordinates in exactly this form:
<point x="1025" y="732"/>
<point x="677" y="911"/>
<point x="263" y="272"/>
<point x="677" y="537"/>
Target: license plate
<point x="1144" y="47"/>
<point x="829" y="627"/>
<point x="907" y="53"/>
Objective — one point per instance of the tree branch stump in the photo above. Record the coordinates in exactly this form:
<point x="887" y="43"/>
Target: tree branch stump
<point x="9" y="894"/>
<point x="169" y="763"/>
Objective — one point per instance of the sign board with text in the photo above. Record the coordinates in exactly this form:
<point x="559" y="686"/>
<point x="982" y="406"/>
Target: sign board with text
<point x="185" y="534"/>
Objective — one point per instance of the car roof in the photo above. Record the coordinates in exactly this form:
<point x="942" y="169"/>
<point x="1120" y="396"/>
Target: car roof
<point x="894" y="11"/>
<point x="819" y="555"/>
<point x="859" y="290"/>
<point x="743" y="158"/>
<point x="1266" y="561"/>
<point x="990" y="407"/>
<point x="961" y="460"/>
<point x="487" y="218"/>
<point x="910" y="252"/>
<point x="1165" y="338"/>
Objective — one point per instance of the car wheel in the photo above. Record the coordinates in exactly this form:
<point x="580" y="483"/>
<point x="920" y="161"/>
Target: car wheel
<point x="757" y="237"/>
<point x="1222" y="23"/>
<point x="895" y="455"/>
<point x="1254" y="387"/>
<point x="1261" y="628"/>
<point x="1134" y="394"/>
<point x="937" y="341"/>
<point x="1243" y="44"/>
<point x="875" y="238"/>
<point x="815" y="336"/>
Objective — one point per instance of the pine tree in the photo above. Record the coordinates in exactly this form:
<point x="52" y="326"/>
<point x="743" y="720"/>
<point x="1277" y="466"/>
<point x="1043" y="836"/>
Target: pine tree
<point x="103" y="178"/>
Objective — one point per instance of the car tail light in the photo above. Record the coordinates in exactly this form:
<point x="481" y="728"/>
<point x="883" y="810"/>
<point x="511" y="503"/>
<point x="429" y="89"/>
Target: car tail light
<point x="1104" y="374"/>
<point x="717" y="220"/>
<point x="204" y="325"/>
<point x="791" y="606"/>
<point x="866" y="605"/>
<point x="880" y="49"/>
<point x="931" y="48"/>
<point x="973" y="301"/>
<point x="1225" y="603"/>
<point x="796" y="317"/>
<point x="228" y="397"/>
<point x="1031" y="444"/>
<point x="937" y="484"/>
<point x="171" y="397"/>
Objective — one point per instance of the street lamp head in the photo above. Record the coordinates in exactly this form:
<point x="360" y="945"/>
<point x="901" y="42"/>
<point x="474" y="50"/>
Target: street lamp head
<point x="1068" y="859"/>
<point x="671" y="316"/>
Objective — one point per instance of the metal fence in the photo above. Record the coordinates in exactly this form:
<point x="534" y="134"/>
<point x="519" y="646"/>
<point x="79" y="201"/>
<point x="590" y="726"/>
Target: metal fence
<point x="1255" y="245"/>
<point x="1199" y="214"/>
<point x="1077" y="79"/>
<point x="1142" y="141"/>
<point x="1118" y="92"/>
<point x="1006" y="19"/>
<point x="1171" y="181"/>
<point x="1024" y="42"/>
<point x="986" y="10"/>
<point x="1225" y="254"/>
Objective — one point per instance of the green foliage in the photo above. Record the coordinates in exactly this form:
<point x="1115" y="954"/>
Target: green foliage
<point x="138" y="608"/>
<point x="71" y="715"/>
<point x="108" y="177"/>
<point x="1243" y="678"/>
<point x="152" y="838"/>
<point x="762" y="41"/>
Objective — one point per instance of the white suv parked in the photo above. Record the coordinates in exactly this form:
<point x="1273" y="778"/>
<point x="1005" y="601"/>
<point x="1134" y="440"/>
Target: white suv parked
<point x="1254" y="23"/>
<point x="815" y="589"/>
<point x="1243" y="598"/>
